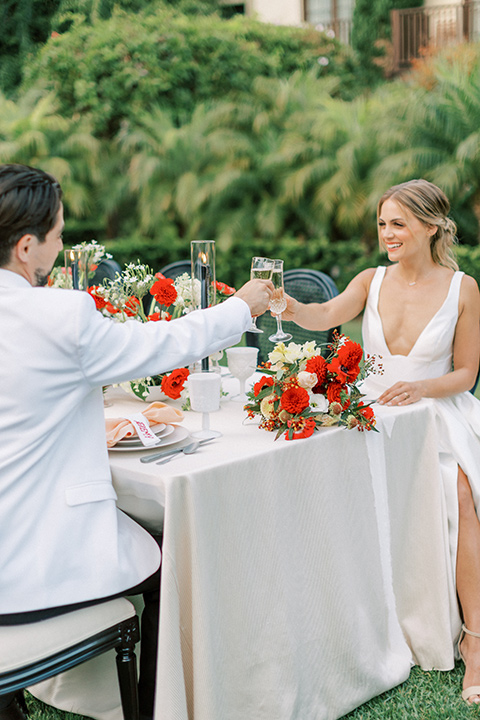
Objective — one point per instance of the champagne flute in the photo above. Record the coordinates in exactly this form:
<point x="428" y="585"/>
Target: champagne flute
<point x="278" y="302"/>
<point x="261" y="268"/>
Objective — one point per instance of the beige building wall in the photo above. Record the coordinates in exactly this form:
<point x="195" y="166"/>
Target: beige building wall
<point x="278" y="12"/>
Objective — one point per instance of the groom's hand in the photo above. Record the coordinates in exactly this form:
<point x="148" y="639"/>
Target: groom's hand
<point x="256" y="293"/>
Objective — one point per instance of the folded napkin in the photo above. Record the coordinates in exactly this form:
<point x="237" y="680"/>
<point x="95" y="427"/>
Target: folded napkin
<point x="157" y="412"/>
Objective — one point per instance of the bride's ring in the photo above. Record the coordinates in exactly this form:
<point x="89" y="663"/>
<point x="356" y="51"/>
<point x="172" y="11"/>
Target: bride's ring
<point x="406" y="395"/>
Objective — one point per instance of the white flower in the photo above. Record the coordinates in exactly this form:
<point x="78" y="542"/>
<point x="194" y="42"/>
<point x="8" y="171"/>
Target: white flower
<point x="323" y="61"/>
<point x="277" y="356"/>
<point x="307" y="380"/>
<point x="309" y="349"/>
<point x="320" y="27"/>
<point x="330" y="33"/>
<point x="293" y="352"/>
<point x="320" y="403"/>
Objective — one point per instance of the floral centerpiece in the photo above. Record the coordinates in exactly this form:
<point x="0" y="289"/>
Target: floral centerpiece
<point x="302" y="391"/>
<point x="62" y="277"/>
<point x="140" y="295"/>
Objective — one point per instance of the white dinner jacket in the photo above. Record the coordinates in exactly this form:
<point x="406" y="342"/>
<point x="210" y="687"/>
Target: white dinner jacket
<point x="62" y="538"/>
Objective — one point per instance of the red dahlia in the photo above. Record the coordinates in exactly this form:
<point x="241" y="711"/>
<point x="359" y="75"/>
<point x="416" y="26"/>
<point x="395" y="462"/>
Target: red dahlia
<point x="294" y="400"/>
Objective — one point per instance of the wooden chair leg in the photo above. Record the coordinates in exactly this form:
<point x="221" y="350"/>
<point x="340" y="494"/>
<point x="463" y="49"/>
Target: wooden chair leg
<point x="127" y="671"/>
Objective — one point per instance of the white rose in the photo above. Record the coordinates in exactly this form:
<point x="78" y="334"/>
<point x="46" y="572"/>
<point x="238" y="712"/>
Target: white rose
<point x="307" y="380"/>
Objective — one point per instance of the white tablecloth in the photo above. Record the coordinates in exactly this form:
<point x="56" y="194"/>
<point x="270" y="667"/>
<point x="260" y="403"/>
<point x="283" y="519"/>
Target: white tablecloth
<point x="290" y="569"/>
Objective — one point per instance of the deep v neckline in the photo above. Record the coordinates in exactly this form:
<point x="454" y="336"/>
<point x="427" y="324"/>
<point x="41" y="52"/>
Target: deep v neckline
<point x="422" y="331"/>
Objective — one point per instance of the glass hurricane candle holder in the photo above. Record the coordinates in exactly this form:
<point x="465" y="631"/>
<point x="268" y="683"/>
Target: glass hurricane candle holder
<point x="203" y="276"/>
<point x="77" y="267"/>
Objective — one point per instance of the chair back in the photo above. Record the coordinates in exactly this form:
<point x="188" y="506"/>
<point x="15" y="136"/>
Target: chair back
<point x="107" y="270"/>
<point x="174" y="269"/>
<point x="306" y="286"/>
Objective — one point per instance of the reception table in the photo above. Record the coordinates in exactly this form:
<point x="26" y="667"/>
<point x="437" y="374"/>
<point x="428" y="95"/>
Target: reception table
<point x="299" y="579"/>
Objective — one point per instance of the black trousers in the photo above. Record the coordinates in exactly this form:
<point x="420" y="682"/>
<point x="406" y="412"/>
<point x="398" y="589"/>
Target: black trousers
<point x="150" y="589"/>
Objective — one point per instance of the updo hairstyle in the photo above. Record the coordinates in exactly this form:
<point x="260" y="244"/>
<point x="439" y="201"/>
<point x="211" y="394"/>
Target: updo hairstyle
<point x="430" y="206"/>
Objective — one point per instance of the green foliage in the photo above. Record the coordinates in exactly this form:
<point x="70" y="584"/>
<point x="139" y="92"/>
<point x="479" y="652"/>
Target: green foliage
<point x="24" y="24"/>
<point x="116" y="68"/>
<point x="371" y="35"/>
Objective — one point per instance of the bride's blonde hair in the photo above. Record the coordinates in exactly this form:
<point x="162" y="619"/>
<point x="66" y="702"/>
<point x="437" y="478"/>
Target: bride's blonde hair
<point x="430" y="205"/>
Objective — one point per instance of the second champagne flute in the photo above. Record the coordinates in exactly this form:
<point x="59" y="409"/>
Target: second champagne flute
<point x="261" y="268"/>
<point x="278" y="302"/>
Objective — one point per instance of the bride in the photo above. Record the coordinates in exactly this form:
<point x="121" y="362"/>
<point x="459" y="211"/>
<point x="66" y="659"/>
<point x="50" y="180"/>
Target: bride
<point x="423" y="317"/>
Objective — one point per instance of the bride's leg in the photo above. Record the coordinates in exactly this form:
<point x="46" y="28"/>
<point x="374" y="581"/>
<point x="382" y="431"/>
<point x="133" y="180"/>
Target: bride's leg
<point x="468" y="580"/>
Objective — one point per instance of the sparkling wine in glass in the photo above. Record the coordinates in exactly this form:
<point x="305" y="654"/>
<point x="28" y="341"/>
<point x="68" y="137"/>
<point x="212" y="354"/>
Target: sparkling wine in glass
<point x="278" y="302"/>
<point x="261" y="268"/>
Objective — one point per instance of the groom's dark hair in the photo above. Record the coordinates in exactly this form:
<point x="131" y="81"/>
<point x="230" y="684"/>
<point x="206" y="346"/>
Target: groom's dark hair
<point x="29" y="203"/>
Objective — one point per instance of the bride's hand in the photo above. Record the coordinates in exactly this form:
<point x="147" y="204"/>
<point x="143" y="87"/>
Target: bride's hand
<point x="402" y="393"/>
<point x="289" y="312"/>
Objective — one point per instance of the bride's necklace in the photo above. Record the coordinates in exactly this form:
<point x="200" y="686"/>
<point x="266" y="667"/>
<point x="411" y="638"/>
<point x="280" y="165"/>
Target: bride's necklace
<point x="411" y="284"/>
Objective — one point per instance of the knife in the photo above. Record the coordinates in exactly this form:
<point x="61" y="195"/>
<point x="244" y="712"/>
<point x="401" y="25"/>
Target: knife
<point x="165" y="453"/>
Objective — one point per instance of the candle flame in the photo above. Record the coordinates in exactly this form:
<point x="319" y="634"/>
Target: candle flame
<point x="72" y="255"/>
<point x="203" y="258"/>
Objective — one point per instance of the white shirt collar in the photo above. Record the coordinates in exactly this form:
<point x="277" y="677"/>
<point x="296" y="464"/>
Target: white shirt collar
<point x="8" y="278"/>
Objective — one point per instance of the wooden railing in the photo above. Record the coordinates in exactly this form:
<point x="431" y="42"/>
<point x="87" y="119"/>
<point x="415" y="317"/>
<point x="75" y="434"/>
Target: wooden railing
<point x="416" y="29"/>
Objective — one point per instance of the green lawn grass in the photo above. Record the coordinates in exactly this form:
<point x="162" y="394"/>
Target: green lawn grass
<point x="424" y="696"/>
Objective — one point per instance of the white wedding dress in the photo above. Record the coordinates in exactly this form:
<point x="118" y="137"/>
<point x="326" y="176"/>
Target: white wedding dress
<point x="457" y="417"/>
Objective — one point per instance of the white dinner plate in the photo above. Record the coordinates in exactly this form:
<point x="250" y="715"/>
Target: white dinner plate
<point x="161" y="431"/>
<point x="177" y="435"/>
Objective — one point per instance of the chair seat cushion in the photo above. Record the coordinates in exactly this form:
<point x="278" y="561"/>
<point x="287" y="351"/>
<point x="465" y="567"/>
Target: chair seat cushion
<point x="25" y="644"/>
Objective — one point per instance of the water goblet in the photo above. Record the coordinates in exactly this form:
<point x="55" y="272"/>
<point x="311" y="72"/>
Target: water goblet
<point x="242" y="363"/>
<point x="204" y="392"/>
<point x="261" y="268"/>
<point x="278" y="302"/>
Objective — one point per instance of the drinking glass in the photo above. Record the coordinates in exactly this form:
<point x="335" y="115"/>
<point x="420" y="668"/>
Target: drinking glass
<point x="242" y="363"/>
<point x="278" y="302"/>
<point x="79" y="261"/>
<point x="204" y="393"/>
<point x="262" y="268"/>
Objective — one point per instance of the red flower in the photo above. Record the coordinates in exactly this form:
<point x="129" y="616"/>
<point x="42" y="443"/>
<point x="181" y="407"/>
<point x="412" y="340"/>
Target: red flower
<point x="318" y="365"/>
<point x="333" y="394"/>
<point x="294" y="400"/>
<point x="350" y="354"/>
<point x="100" y="302"/>
<point x="343" y="374"/>
<point x="367" y="412"/>
<point x="306" y="429"/>
<point x="172" y="385"/>
<point x="131" y="306"/>
<point x="154" y="317"/>
<point x="262" y="383"/>
<point x="346" y="365"/>
<point x="164" y="291"/>
<point x="111" y="308"/>
<point x="224" y="289"/>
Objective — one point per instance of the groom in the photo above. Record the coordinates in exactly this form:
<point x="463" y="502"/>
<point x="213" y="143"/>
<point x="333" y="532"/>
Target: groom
<point x="64" y="542"/>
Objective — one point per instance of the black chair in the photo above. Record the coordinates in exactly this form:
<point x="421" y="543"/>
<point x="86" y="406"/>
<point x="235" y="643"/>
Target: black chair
<point x="306" y="286"/>
<point x="39" y="650"/>
<point x="174" y="269"/>
<point x="106" y="270"/>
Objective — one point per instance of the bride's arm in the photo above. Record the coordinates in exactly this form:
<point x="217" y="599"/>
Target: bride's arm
<point x="466" y="352"/>
<point x="338" y="310"/>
